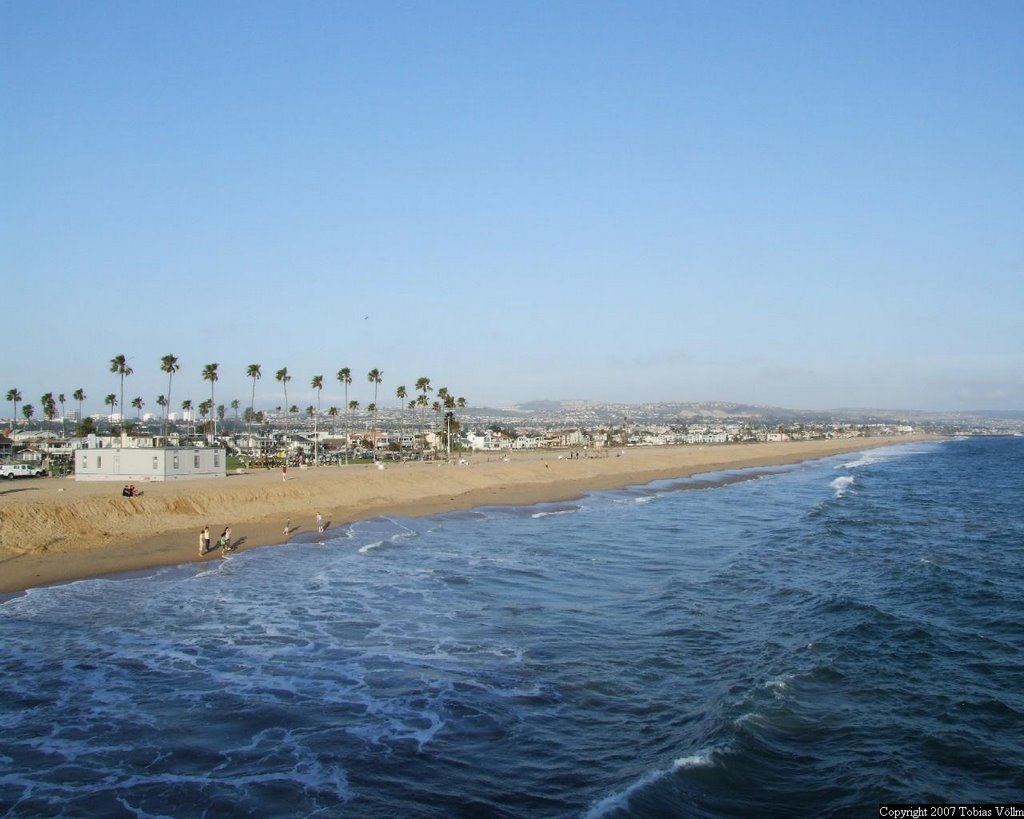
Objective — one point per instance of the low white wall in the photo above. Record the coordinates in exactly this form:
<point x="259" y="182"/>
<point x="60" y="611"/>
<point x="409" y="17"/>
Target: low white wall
<point x="138" y="465"/>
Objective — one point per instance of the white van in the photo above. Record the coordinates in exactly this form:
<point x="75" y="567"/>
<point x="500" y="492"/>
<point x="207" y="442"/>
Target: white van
<point x="20" y="471"/>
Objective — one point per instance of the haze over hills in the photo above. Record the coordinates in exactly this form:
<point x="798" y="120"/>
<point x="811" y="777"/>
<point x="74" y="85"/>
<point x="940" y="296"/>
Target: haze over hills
<point x="681" y="412"/>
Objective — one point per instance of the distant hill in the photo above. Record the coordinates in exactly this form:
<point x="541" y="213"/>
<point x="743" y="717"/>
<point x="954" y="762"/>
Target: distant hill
<point x="686" y="411"/>
<point x="999" y="415"/>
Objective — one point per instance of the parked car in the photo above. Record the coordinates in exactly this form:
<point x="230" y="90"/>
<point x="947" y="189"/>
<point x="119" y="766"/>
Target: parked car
<point x="20" y="471"/>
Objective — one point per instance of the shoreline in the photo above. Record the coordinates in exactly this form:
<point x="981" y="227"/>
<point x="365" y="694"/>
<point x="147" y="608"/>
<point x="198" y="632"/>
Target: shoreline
<point x="55" y="530"/>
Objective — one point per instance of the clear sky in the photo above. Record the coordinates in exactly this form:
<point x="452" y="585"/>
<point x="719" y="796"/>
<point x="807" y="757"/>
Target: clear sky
<point x="805" y="204"/>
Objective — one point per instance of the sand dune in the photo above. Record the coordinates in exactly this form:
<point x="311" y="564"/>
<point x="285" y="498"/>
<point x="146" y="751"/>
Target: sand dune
<point x="55" y="530"/>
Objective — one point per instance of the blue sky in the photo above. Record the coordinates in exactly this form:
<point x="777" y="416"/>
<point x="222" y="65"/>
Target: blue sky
<point x="812" y="205"/>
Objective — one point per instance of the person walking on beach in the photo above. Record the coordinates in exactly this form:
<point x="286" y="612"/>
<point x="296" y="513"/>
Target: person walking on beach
<point x="319" y="523"/>
<point x="204" y="540"/>
<point x="225" y="539"/>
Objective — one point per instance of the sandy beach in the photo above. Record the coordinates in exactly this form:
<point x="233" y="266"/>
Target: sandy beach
<point x="57" y="530"/>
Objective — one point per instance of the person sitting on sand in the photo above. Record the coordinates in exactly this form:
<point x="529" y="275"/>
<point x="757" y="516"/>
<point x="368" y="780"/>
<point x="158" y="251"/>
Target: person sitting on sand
<point x="126" y="492"/>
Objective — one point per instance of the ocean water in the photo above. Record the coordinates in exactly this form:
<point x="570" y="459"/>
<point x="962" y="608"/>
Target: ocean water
<point x="800" y="641"/>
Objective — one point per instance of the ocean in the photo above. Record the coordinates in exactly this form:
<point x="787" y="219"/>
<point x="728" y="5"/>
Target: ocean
<point x="808" y="640"/>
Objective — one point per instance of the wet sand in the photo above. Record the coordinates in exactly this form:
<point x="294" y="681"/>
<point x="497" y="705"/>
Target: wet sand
<point x="56" y="530"/>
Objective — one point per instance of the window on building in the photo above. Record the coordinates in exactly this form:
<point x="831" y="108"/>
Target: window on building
<point x="156" y="462"/>
<point x="175" y="461"/>
<point x="99" y="462"/>
<point x="85" y="462"/>
<point x="216" y="459"/>
<point x="195" y="461"/>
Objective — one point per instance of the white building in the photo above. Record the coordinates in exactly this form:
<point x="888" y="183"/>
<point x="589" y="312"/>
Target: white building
<point x="136" y="464"/>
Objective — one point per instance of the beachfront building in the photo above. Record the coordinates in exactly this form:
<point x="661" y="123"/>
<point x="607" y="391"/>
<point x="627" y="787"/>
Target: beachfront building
<point x="532" y="441"/>
<point x="488" y="440"/>
<point x="135" y="464"/>
<point x="564" y="438"/>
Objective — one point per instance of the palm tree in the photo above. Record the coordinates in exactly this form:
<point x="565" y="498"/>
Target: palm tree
<point x="60" y="400"/>
<point x="452" y="427"/>
<point x="317" y="384"/>
<point x="138" y="404"/>
<point x="252" y="371"/>
<point x="282" y="376"/>
<point x="436" y="407"/>
<point x="353" y="405"/>
<point x="400" y="394"/>
<point x="449" y="404"/>
<point x="374" y="376"/>
<point x="460" y="402"/>
<point x="28" y="411"/>
<point x="210" y="374"/>
<point x="444" y="397"/>
<point x="332" y="413"/>
<point x="186" y="406"/>
<point x="14" y="396"/>
<point x="204" y="409"/>
<point x="422" y="403"/>
<point x="79" y="396"/>
<point x="111" y="400"/>
<point x="371" y="410"/>
<point x="235" y="404"/>
<point x="119" y="365"/>
<point x="49" y="406"/>
<point x="422" y="387"/>
<point x="168" y="364"/>
<point x="161" y="401"/>
<point x="345" y="377"/>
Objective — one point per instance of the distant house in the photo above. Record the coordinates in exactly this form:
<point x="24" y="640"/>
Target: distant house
<point x="30" y="455"/>
<point x="149" y="464"/>
<point x="487" y="439"/>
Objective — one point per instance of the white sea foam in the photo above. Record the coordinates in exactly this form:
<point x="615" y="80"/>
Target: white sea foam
<point x="779" y="685"/>
<point x="620" y="801"/>
<point x="842" y="485"/>
<point x="865" y="459"/>
<point x="888" y="453"/>
<point x="701" y="759"/>
<point x="553" y="512"/>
